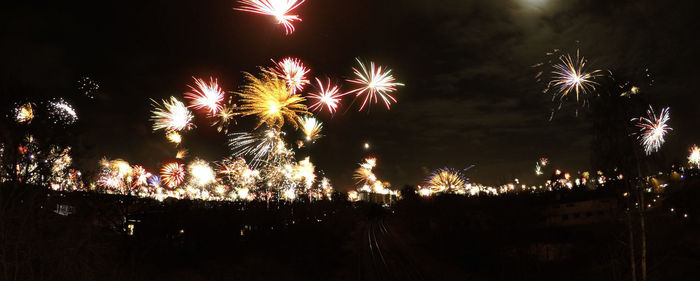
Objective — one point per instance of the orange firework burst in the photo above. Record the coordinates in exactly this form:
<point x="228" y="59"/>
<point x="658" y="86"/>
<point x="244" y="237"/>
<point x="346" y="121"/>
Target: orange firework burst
<point x="269" y="99"/>
<point x="172" y="174"/>
<point x="374" y="82"/>
<point x="206" y="95"/>
<point x="276" y="8"/>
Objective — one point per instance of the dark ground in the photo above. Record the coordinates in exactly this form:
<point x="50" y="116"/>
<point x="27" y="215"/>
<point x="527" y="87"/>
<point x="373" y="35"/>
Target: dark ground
<point x="443" y="238"/>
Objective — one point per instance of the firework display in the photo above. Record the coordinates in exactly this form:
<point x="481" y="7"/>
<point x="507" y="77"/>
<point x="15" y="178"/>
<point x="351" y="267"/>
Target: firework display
<point x="311" y="128"/>
<point x="172" y="115"/>
<point x="279" y="9"/>
<point x="374" y="83"/>
<point x="24" y="113"/>
<point x="652" y="129"/>
<point x="292" y="71"/>
<point x="694" y="157"/>
<point x="328" y="96"/>
<point x="206" y="95"/>
<point x="270" y="100"/>
<point x="62" y="112"/>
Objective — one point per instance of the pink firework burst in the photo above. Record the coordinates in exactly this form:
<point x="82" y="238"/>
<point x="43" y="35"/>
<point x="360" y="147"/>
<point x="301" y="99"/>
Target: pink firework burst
<point x="279" y="9"/>
<point x="328" y="96"/>
<point x="374" y="83"/>
<point x="206" y="95"/>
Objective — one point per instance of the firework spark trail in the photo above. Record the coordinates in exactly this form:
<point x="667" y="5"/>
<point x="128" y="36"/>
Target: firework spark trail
<point x="328" y="96"/>
<point x="653" y="129"/>
<point x="279" y="9"/>
<point x="173" y="115"/>
<point x="374" y="83"/>
<point x="258" y="145"/>
<point x="206" y="95"/>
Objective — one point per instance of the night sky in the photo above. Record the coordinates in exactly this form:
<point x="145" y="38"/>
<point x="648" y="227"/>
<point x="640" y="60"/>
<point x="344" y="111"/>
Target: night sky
<point x="470" y="94"/>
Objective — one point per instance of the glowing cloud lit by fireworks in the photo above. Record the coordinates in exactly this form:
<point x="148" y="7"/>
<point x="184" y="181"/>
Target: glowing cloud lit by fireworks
<point x="570" y="75"/>
<point x="269" y="99"/>
<point x="311" y="128"/>
<point x="653" y="129"/>
<point x="279" y="9"/>
<point x="328" y="96"/>
<point x="61" y="111"/>
<point x="172" y="174"/>
<point x="374" y="83"/>
<point x="172" y="115"/>
<point x="292" y="71"/>
<point x="206" y="95"/>
<point x="694" y="157"/>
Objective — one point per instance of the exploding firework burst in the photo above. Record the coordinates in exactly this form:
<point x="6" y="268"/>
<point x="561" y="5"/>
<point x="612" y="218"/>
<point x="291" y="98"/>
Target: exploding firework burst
<point x="24" y="113"/>
<point x="269" y="99"/>
<point x="279" y="9"/>
<point x="225" y="116"/>
<point x="63" y="112"/>
<point x="88" y="87"/>
<point x="292" y="71"/>
<point x="311" y="128"/>
<point x="374" y="83"/>
<point x="694" y="157"/>
<point x="570" y="75"/>
<point x="446" y="180"/>
<point x="201" y="174"/>
<point x="364" y="175"/>
<point x="172" y="174"/>
<point x="653" y="129"/>
<point x="174" y="137"/>
<point x="544" y="162"/>
<point x="206" y="95"/>
<point x="173" y="115"/>
<point x="328" y="96"/>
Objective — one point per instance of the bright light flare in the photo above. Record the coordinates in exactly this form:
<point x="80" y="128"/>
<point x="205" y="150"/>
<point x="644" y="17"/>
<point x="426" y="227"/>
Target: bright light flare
<point x="174" y="137"/>
<point x="375" y="82"/>
<point x="653" y="129"/>
<point x="201" y="173"/>
<point x="171" y="116"/>
<point x="694" y="157"/>
<point x="206" y="95"/>
<point x="311" y="128"/>
<point x="279" y="9"/>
